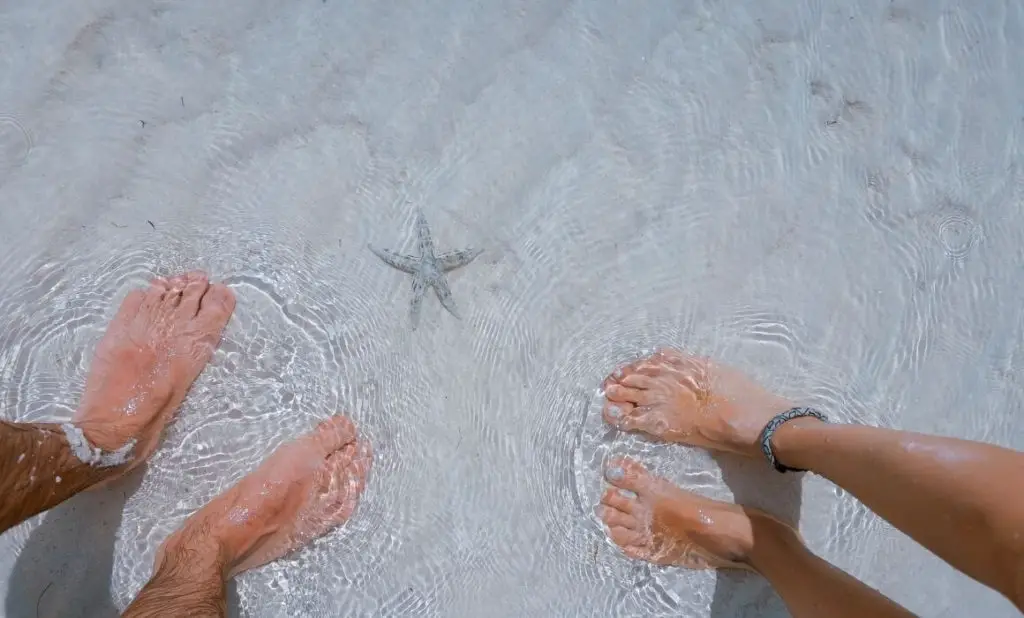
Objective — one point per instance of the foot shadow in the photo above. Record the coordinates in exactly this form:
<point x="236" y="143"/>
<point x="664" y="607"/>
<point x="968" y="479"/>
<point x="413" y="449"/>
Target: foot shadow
<point x="739" y="594"/>
<point x="65" y="565"/>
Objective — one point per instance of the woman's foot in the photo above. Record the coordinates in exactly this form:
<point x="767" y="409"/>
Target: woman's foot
<point x="690" y="400"/>
<point x="156" y="346"/>
<point x="304" y="489"/>
<point x="651" y="519"/>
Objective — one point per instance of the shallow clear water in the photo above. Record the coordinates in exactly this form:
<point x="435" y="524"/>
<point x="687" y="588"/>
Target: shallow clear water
<point x="828" y="197"/>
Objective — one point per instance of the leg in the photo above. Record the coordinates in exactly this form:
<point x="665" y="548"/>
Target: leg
<point x="157" y="345"/>
<point x="653" y="520"/>
<point x="904" y="477"/>
<point x="304" y="489"/>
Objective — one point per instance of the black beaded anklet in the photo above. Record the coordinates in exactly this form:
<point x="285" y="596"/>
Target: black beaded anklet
<point x="773" y="425"/>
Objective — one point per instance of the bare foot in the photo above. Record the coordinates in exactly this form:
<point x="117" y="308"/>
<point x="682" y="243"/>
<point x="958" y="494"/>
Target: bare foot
<point x="690" y="400"/>
<point x="651" y="519"/>
<point x="156" y="346"/>
<point x="305" y="488"/>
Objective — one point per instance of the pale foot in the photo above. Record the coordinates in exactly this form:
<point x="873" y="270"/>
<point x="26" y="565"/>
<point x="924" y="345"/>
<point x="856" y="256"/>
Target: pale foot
<point x="691" y="400"/>
<point x="156" y="346"/>
<point x="304" y="489"/>
<point x="651" y="519"/>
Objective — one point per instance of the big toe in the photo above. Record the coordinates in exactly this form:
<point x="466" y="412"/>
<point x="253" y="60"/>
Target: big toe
<point x="626" y="473"/>
<point x="215" y="307"/>
<point x="352" y="464"/>
<point x="348" y="469"/>
<point x="618" y="413"/>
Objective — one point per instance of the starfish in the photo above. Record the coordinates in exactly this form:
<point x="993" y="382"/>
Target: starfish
<point x="427" y="270"/>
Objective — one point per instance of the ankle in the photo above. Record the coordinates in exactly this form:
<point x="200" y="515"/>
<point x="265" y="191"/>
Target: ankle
<point x="196" y="545"/>
<point x="774" y="542"/>
<point x="792" y="438"/>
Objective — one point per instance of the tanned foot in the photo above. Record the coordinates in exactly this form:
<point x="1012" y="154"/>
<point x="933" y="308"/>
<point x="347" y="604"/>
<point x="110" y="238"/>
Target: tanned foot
<point x="651" y="519"/>
<point x="304" y="489"/>
<point x="679" y="398"/>
<point x="156" y="346"/>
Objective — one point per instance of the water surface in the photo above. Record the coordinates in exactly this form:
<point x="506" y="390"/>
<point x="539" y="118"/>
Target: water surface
<point x="827" y="196"/>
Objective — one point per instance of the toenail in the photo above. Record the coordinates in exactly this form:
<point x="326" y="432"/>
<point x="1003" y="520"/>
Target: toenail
<point x="615" y="474"/>
<point x="628" y="495"/>
<point x="617" y="374"/>
<point x="615" y="412"/>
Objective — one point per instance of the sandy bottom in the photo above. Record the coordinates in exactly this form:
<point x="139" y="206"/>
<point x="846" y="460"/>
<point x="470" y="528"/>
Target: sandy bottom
<point x="825" y="194"/>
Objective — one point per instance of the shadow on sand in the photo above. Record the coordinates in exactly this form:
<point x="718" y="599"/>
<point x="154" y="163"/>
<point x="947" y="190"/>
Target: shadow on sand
<point x="65" y="566"/>
<point x="740" y="594"/>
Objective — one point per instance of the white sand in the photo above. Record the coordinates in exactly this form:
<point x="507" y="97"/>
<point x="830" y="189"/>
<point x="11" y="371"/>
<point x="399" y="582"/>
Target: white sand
<point x="826" y="194"/>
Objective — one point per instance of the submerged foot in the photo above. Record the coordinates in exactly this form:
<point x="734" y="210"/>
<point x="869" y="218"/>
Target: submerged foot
<point x="690" y="400"/>
<point x="651" y="519"/>
<point x="156" y="346"/>
<point x="304" y="489"/>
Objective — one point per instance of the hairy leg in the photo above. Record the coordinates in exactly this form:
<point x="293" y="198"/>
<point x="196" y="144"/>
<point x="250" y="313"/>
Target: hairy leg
<point x="153" y="350"/>
<point x="303" y="490"/>
<point x="39" y="470"/>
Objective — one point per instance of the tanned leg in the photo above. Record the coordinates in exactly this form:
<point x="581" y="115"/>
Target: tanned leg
<point x="306" y="488"/>
<point x="156" y="346"/>
<point x="653" y="520"/>
<point x="906" y="478"/>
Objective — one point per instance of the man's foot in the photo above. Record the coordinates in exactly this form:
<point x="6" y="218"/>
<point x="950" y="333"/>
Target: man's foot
<point x="680" y="398"/>
<point x="651" y="519"/>
<point x="156" y="346"/>
<point x="305" y="488"/>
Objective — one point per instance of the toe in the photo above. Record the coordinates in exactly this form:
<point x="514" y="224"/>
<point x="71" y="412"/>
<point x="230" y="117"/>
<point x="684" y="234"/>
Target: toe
<point x="195" y="287"/>
<point x="362" y="461"/>
<point x="614" y="518"/>
<point x="646" y="420"/>
<point x="620" y="393"/>
<point x="681" y="362"/>
<point x="618" y="499"/>
<point x="638" y="381"/>
<point x="130" y="306"/>
<point x="333" y="434"/>
<point x="177" y="282"/>
<point x="616" y="412"/>
<point x="175" y="289"/>
<point x="215" y="307"/>
<point x="153" y="296"/>
<point x="626" y="474"/>
<point x="623" y="537"/>
<point x="348" y="468"/>
<point x="626" y="416"/>
<point x="668" y="355"/>
<point x="359" y="469"/>
<point x="654" y="368"/>
<point x="622" y="372"/>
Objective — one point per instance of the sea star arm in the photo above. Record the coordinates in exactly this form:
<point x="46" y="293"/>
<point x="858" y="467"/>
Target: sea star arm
<point x="455" y="259"/>
<point x="419" y="287"/>
<point x="444" y="294"/>
<point x="425" y="240"/>
<point x="403" y="263"/>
